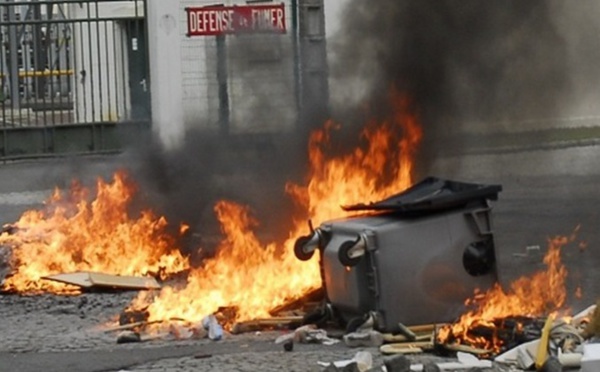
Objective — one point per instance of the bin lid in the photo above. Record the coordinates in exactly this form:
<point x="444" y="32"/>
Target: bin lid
<point x="431" y="195"/>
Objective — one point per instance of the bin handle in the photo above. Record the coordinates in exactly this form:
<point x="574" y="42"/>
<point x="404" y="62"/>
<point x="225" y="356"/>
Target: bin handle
<point x="482" y="227"/>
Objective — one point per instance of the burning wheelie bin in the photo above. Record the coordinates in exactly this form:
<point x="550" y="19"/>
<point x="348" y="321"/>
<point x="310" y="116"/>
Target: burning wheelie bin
<point x="413" y="258"/>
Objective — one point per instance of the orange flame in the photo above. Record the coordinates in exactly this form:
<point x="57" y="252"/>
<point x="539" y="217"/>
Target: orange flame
<point x="541" y="294"/>
<point x="73" y="234"/>
<point x="254" y="278"/>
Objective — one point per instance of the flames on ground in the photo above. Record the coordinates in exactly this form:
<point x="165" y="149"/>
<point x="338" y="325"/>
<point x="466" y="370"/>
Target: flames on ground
<point x="74" y="234"/>
<point x="538" y="295"/>
<point x="253" y="277"/>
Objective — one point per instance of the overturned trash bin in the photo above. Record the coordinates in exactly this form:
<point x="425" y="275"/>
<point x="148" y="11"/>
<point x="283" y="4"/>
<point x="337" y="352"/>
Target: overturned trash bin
<point x="413" y="259"/>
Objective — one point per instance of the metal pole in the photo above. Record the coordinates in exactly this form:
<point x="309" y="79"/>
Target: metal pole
<point x="39" y="52"/>
<point x="297" y="67"/>
<point x="3" y="92"/>
<point x="222" y="78"/>
<point x="14" y="57"/>
<point x="146" y="18"/>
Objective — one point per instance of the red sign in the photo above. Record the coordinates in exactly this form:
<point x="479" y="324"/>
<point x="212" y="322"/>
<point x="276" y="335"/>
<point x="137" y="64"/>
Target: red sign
<point x="221" y="20"/>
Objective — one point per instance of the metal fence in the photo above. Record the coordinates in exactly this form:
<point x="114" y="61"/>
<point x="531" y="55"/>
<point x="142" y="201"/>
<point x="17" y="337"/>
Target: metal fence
<point x="72" y="75"/>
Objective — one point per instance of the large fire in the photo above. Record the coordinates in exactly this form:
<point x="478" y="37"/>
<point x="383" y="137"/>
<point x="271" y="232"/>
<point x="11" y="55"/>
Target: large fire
<point x="254" y="278"/>
<point x="541" y="294"/>
<point x="73" y="234"/>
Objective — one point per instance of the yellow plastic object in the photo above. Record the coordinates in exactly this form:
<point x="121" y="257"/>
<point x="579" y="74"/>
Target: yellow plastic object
<point x="542" y="352"/>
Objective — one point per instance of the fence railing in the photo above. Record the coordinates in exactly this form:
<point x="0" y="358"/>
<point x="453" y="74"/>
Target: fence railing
<point x="69" y="72"/>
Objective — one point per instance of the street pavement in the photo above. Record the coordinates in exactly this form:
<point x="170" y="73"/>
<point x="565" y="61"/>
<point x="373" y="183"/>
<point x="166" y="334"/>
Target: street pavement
<point x="545" y="193"/>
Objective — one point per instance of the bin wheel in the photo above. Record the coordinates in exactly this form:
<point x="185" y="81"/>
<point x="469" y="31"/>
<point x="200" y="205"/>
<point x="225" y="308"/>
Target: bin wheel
<point x="299" y="249"/>
<point x="343" y="256"/>
<point x="319" y="316"/>
<point x="354" y="323"/>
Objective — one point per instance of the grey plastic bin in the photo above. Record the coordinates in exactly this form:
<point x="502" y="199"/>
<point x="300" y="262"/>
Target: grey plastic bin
<point x="414" y="262"/>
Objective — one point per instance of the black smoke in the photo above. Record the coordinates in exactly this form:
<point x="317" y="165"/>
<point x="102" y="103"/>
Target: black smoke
<point x="186" y="182"/>
<point x="465" y="64"/>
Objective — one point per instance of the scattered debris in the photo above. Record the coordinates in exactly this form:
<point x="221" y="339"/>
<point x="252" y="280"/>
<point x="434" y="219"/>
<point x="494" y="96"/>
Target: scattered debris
<point x="181" y="332"/>
<point x="370" y="338"/>
<point x="289" y="322"/>
<point x="592" y="329"/>
<point x="398" y="363"/>
<point x="123" y="327"/>
<point x="432" y="367"/>
<point x="215" y="330"/>
<point x="530" y="251"/>
<point x="465" y="361"/>
<point x="560" y="343"/>
<point x="551" y="365"/>
<point x="307" y="334"/>
<point x="126" y="337"/>
<point x="569" y="360"/>
<point x="363" y="360"/>
<point x="467" y="349"/>
<point x="407" y="332"/>
<point x="521" y="356"/>
<point x="542" y="352"/>
<point x="406" y="347"/>
<point x="413" y="340"/>
<point x="90" y="280"/>
<point x="129" y="316"/>
<point x="310" y="300"/>
<point x="590" y="362"/>
<point x="288" y="345"/>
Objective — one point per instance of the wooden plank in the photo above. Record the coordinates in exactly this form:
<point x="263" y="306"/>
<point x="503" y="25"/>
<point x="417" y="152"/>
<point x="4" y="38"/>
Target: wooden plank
<point x="125" y="282"/>
<point x="316" y="294"/>
<point x="403" y="348"/>
<point x="128" y="326"/>
<point x="400" y="350"/>
<point x="425" y="327"/>
<point x="260" y="324"/>
<point x="387" y="337"/>
<point x="80" y="279"/>
<point x="85" y="279"/>
<point x="467" y="349"/>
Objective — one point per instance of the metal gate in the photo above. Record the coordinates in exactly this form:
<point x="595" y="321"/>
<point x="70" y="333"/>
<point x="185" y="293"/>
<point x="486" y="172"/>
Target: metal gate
<point x="73" y="76"/>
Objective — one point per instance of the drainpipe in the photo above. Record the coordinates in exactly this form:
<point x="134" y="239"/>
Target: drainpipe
<point x="313" y="63"/>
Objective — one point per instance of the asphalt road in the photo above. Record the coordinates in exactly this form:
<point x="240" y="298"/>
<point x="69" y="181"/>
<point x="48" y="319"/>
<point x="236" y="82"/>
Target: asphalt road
<point x="545" y="193"/>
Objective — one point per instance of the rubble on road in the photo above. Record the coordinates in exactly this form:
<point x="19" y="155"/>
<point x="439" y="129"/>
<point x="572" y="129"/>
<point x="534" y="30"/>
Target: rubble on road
<point x="561" y="342"/>
<point x="126" y="337"/>
<point x="307" y="334"/>
<point x="465" y="361"/>
<point x="266" y="324"/>
<point x="362" y="359"/>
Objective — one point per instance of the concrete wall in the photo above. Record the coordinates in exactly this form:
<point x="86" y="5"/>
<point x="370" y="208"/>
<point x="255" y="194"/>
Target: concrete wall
<point x="259" y="69"/>
<point x="164" y="43"/>
<point x="260" y="78"/>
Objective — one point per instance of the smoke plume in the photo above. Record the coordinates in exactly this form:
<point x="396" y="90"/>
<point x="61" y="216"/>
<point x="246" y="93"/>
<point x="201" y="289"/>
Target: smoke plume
<point x="478" y="66"/>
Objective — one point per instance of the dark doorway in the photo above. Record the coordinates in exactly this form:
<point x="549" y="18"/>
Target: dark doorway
<point x="138" y="69"/>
